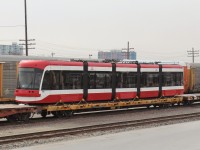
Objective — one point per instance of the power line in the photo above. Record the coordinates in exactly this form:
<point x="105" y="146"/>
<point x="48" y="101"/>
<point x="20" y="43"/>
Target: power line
<point x="9" y="40"/>
<point x="56" y="47"/>
<point x="72" y="47"/>
<point x="11" y="26"/>
<point x="64" y="46"/>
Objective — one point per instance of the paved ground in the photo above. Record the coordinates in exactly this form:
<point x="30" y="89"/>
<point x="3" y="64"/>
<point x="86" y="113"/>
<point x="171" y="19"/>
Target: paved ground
<point x="184" y="136"/>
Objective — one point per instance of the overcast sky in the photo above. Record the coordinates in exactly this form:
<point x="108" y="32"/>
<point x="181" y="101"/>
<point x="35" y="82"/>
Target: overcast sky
<point x="157" y="29"/>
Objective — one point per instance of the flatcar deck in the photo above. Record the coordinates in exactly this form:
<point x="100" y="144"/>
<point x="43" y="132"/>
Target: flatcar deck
<point x="190" y="97"/>
<point x="7" y="100"/>
<point x="11" y="106"/>
<point x="10" y="109"/>
<point x="115" y="104"/>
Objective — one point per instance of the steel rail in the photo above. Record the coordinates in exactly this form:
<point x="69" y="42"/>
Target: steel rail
<point x="93" y="128"/>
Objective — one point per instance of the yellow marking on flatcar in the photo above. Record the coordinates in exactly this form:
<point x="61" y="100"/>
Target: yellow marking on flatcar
<point x="114" y="104"/>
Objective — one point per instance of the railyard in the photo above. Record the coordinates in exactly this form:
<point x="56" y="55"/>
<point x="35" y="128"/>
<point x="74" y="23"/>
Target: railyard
<point x="99" y="75"/>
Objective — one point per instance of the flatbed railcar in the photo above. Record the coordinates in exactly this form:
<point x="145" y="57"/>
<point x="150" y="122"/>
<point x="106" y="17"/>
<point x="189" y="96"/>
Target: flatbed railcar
<point x="99" y="84"/>
<point x="23" y="112"/>
<point x="60" y="87"/>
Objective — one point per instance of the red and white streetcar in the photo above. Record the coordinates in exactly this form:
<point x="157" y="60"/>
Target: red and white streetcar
<point x="49" y="82"/>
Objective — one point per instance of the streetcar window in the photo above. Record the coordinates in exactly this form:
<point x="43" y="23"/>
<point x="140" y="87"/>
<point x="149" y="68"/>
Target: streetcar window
<point x="179" y="79"/>
<point x="99" y="80"/>
<point x="126" y="80"/>
<point x="72" y="79"/>
<point x="47" y="81"/>
<point x="51" y="80"/>
<point x="92" y="81"/>
<point x="168" y="79"/>
<point x="149" y="79"/>
<point x="172" y="79"/>
<point x="54" y="80"/>
<point x="38" y="77"/>
<point x="57" y="82"/>
<point x="108" y="80"/>
<point x="29" y="78"/>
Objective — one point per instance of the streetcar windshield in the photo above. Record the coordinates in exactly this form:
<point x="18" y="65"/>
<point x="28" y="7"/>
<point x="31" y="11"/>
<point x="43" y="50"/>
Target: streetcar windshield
<point x="29" y="78"/>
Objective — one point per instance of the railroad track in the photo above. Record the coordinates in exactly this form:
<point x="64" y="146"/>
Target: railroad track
<point x="90" y="129"/>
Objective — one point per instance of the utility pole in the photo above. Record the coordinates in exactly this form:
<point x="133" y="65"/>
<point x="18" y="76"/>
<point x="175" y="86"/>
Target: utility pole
<point x="193" y="53"/>
<point x="127" y="50"/>
<point x="26" y="34"/>
<point x="52" y="54"/>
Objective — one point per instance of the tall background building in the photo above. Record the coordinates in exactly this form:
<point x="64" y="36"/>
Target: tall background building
<point x="116" y="54"/>
<point x="13" y="49"/>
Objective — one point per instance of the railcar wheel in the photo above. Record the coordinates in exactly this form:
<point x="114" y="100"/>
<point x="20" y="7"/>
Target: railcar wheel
<point x="69" y="113"/>
<point x="61" y="114"/>
<point x="54" y="113"/>
<point x="12" y="118"/>
<point x="24" y="116"/>
<point x="185" y="103"/>
<point x="58" y="114"/>
<point x="190" y="102"/>
<point x="44" y="113"/>
<point x="167" y="105"/>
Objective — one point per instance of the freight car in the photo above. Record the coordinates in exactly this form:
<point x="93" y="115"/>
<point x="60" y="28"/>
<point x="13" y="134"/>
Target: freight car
<point x="194" y="78"/>
<point x="8" y="78"/>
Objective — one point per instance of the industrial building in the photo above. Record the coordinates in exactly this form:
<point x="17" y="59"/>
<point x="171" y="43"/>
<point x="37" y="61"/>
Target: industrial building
<point x="13" y="49"/>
